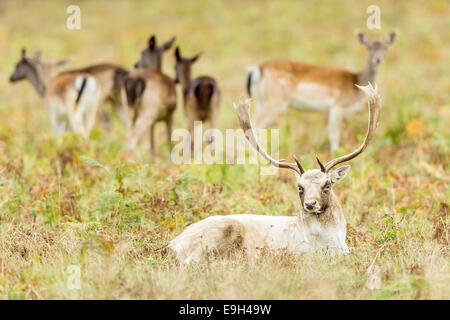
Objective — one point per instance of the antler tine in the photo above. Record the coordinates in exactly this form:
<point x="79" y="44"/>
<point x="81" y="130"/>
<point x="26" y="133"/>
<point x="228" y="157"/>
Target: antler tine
<point x="299" y="165"/>
<point x="243" y="112"/>
<point x="322" y="168"/>
<point x="374" y="103"/>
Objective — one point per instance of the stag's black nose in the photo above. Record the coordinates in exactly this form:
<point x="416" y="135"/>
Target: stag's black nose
<point x="310" y="204"/>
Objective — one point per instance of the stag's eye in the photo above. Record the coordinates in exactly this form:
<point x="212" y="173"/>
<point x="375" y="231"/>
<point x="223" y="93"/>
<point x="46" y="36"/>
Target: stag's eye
<point x="300" y="190"/>
<point x="326" y="188"/>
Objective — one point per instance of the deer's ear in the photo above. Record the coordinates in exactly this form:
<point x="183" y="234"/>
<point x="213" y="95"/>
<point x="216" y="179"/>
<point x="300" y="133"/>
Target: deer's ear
<point x="36" y="55"/>
<point x="152" y="42"/>
<point x="63" y="62"/>
<point x="177" y="54"/>
<point x="339" y="174"/>
<point x="166" y="46"/>
<point x="193" y="59"/>
<point x="364" y="39"/>
<point x="391" y="38"/>
<point x="297" y="176"/>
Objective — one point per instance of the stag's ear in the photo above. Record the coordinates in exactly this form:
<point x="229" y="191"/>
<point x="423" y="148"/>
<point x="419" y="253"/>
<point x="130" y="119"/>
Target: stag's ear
<point x="297" y="176"/>
<point x="364" y="39"/>
<point x="193" y="59"/>
<point x="166" y="46"/>
<point x="391" y="38"/>
<point x="152" y="42"/>
<point x="339" y="174"/>
<point x="177" y="54"/>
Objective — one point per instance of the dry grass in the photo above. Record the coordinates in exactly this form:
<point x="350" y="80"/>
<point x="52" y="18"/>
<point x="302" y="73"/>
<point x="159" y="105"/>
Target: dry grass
<point x="113" y="226"/>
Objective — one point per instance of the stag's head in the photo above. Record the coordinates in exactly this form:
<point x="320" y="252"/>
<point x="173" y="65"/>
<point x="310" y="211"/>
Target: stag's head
<point x="151" y="57"/>
<point x="315" y="185"/>
<point x="376" y="48"/>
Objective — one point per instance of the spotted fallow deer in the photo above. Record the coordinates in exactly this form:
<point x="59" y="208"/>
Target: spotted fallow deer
<point x="110" y="80"/>
<point x="280" y="84"/>
<point x="150" y="95"/>
<point x="72" y="99"/>
<point x="105" y="81"/>
<point x="320" y="224"/>
<point x="201" y="96"/>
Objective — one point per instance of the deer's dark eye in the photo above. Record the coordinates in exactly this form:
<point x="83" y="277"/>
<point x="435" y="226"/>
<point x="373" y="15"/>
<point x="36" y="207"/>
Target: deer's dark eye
<point x="300" y="190"/>
<point x="326" y="188"/>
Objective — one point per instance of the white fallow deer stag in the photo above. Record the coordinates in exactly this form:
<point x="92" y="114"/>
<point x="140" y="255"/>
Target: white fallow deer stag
<point x="150" y="95"/>
<point x="320" y="225"/>
<point x="280" y="84"/>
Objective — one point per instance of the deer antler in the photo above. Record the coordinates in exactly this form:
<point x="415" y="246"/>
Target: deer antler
<point x="244" y="119"/>
<point x="374" y="102"/>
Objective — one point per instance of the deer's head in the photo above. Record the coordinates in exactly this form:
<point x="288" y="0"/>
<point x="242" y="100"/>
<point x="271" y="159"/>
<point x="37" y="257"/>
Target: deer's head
<point x="151" y="57"/>
<point x="315" y="185"/>
<point x="31" y="67"/>
<point x="376" y="48"/>
<point x="26" y="66"/>
<point x="183" y="65"/>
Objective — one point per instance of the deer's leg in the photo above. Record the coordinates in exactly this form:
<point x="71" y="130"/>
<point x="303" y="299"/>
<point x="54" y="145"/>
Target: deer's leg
<point x="75" y="116"/>
<point x="91" y="112"/>
<point x="335" y="118"/>
<point x="122" y="109"/>
<point x="152" y="139"/>
<point x="190" y="125"/>
<point x="213" y="118"/>
<point x="169" y="123"/>
<point x="143" y="123"/>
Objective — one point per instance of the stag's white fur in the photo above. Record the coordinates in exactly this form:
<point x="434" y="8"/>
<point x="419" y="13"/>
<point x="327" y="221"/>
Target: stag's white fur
<point x="316" y="227"/>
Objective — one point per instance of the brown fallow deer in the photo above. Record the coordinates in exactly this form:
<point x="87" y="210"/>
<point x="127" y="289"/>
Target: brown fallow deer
<point x="150" y="95"/>
<point x="279" y="84"/>
<point x="110" y="79"/>
<point x="72" y="97"/>
<point x="201" y="96"/>
<point x="320" y="225"/>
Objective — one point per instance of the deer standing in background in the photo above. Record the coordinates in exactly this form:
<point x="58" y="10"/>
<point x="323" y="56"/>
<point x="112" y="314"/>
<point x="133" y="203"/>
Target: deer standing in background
<point x="201" y="96"/>
<point x="55" y="88"/>
<point x="280" y="84"/>
<point x="151" y="57"/>
<point x="150" y="95"/>
<point x="320" y="224"/>
<point x="110" y="79"/>
<point x="72" y="98"/>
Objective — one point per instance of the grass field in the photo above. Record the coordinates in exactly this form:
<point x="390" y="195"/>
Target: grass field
<point x="112" y="222"/>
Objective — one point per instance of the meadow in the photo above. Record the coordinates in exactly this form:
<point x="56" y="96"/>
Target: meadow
<point x="70" y="201"/>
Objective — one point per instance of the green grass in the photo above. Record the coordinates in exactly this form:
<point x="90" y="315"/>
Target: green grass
<point x="70" y="201"/>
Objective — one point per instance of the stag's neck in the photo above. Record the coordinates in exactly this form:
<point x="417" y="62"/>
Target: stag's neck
<point x="368" y="74"/>
<point x="326" y="230"/>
